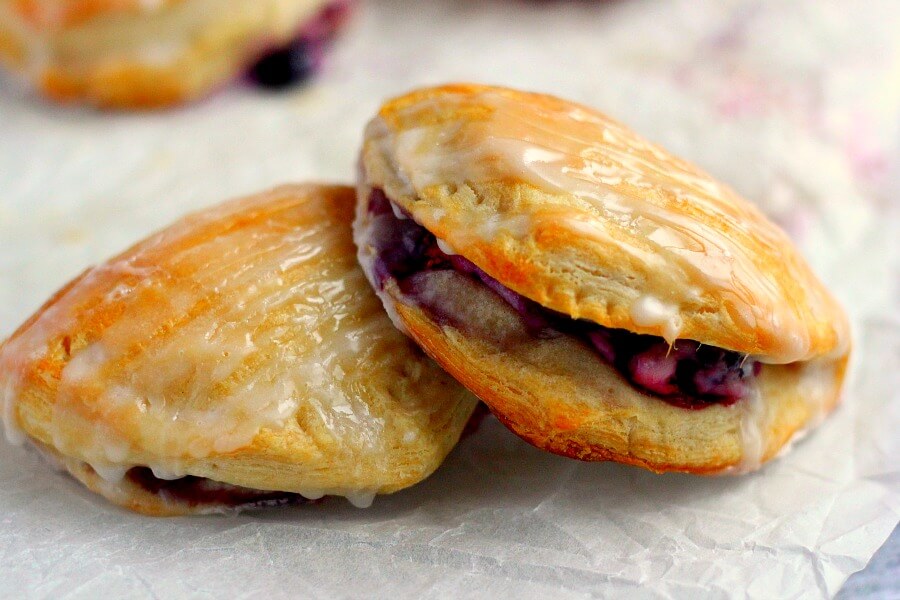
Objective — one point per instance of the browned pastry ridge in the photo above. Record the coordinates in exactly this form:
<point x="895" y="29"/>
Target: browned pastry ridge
<point x="237" y="358"/>
<point x="677" y="327"/>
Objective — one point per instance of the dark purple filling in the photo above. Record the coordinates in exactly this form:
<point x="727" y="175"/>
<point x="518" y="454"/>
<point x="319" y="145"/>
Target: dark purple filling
<point x="199" y="491"/>
<point x="297" y="62"/>
<point x="686" y="374"/>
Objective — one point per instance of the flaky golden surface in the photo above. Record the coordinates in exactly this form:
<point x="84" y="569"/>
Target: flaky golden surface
<point x="70" y="13"/>
<point x="575" y="211"/>
<point x="558" y="395"/>
<point x="241" y="344"/>
<point x="138" y="54"/>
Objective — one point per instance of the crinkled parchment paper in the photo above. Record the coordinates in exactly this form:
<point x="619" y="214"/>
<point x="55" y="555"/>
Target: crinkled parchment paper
<point x="794" y="103"/>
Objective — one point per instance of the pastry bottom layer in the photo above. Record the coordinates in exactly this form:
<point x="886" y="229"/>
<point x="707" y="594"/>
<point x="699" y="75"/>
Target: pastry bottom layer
<point x="558" y="397"/>
<point x="141" y="491"/>
<point x="199" y="491"/>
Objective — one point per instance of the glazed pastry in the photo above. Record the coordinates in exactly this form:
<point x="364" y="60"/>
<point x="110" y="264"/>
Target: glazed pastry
<point x="138" y="54"/>
<point x="606" y="299"/>
<point x="236" y="359"/>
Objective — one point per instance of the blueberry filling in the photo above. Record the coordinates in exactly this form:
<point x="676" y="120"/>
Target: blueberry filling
<point x="200" y="491"/>
<point x="287" y="66"/>
<point x="298" y="61"/>
<point x="686" y="374"/>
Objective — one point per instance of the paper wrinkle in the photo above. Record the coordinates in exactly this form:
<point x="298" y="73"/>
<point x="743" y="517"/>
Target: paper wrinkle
<point x="769" y="96"/>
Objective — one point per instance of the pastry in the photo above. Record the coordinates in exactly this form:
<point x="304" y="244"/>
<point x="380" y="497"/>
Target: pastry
<point x="607" y="300"/>
<point x="139" y="54"/>
<point x="237" y="358"/>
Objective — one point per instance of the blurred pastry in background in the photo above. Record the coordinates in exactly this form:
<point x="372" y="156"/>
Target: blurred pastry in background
<point x="140" y="54"/>
<point x="236" y="359"/>
<point x="606" y="299"/>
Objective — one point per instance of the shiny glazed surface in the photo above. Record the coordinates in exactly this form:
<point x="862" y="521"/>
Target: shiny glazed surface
<point x="692" y="245"/>
<point x="249" y="318"/>
<point x="684" y="373"/>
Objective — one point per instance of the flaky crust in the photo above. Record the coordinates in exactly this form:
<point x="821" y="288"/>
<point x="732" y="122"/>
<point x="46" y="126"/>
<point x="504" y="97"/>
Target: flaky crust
<point x="71" y="13"/>
<point x="242" y="344"/>
<point x="573" y="210"/>
<point x="559" y="396"/>
<point x="134" y="54"/>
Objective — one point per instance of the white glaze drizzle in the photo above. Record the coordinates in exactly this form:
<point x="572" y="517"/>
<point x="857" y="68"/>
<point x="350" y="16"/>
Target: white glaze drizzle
<point x="754" y="424"/>
<point x="8" y="397"/>
<point x="398" y="212"/>
<point x="442" y="245"/>
<point x="817" y="379"/>
<point x="155" y="405"/>
<point x="633" y="196"/>
<point x="361" y="499"/>
<point x="649" y="311"/>
<point x="815" y="386"/>
<point x="110" y="473"/>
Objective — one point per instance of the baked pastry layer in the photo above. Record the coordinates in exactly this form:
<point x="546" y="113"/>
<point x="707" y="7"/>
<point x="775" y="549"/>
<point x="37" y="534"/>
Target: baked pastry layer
<point x="573" y="210"/>
<point x="683" y="373"/>
<point x="533" y="200"/>
<point x="135" y="54"/>
<point x="241" y="345"/>
<point x="562" y="393"/>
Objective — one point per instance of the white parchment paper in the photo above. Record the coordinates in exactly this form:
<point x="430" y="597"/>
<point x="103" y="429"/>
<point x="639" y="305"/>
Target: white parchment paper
<point x="796" y="104"/>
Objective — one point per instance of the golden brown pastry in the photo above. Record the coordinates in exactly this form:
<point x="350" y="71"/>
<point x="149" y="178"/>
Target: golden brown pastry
<point x="606" y="299"/>
<point x="237" y="358"/>
<point x="140" y="53"/>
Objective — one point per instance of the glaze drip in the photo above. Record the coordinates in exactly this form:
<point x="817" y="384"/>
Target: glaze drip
<point x="685" y="373"/>
<point x="610" y="191"/>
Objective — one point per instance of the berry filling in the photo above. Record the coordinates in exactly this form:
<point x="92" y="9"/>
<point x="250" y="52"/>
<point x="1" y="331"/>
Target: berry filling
<point x="686" y="373"/>
<point x="199" y="491"/>
<point x="299" y="60"/>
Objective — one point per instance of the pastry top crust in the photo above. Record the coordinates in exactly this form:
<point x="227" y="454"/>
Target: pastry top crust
<point x="67" y="13"/>
<point x="143" y="53"/>
<point x="574" y="210"/>
<point x="242" y="344"/>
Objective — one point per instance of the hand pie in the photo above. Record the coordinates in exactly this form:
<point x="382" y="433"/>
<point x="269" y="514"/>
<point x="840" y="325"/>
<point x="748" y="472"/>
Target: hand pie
<point x="139" y="54"/>
<point x="237" y="358"/>
<point x="606" y="299"/>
